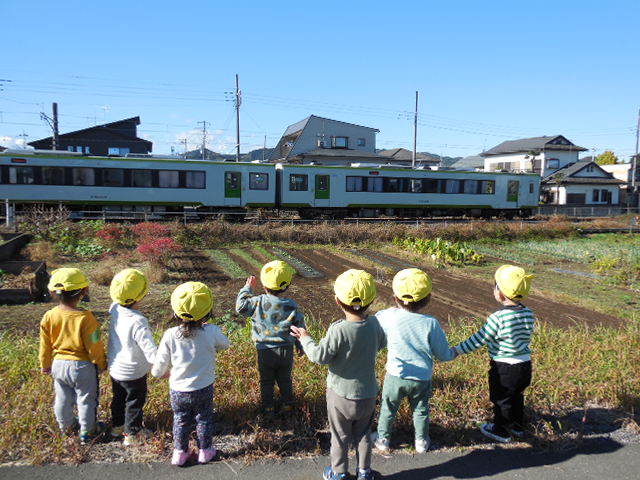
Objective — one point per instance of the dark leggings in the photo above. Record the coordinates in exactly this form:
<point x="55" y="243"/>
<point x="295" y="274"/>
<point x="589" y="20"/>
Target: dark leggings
<point x="189" y="408"/>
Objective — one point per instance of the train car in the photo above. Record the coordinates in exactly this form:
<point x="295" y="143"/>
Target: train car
<point x="366" y="191"/>
<point x="120" y="184"/>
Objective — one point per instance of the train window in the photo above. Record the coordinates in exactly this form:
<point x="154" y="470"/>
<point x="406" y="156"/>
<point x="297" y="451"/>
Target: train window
<point x="194" y="179"/>
<point x="512" y="190"/>
<point x="83" y="176"/>
<point x="488" y="187"/>
<point x="142" y="178"/>
<point x="375" y="184"/>
<point x="470" y="186"/>
<point x="52" y="175"/>
<point x="416" y="185"/>
<point x="531" y="188"/>
<point x="112" y="177"/>
<point x="258" y="181"/>
<point x="391" y="185"/>
<point x="168" y="178"/>
<point x="298" y="183"/>
<point x="452" y="186"/>
<point x="430" y="186"/>
<point x="354" y="184"/>
<point x="21" y="175"/>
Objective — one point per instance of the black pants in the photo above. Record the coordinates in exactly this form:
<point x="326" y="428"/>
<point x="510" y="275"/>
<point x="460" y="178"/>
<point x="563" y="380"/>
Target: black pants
<point x="275" y="365"/>
<point x="506" y="386"/>
<point x="128" y="399"/>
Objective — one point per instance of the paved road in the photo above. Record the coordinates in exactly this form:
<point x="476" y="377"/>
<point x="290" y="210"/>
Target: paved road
<point x="597" y="459"/>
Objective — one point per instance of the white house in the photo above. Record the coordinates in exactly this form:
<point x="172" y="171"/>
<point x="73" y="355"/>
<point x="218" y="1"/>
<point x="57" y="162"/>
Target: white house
<point x="329" y="142"/>
<point x="581" y="183"/>
<point x="542" y="155"/>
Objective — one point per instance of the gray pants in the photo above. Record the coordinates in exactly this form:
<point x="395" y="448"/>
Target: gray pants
<point x="350" y="423"/>
<point x="275" y="365"/>
<point x="75" y="382"/>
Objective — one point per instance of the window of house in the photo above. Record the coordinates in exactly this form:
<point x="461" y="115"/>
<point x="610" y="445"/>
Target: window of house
<point x="258" y="181"/>
<point x="142" y="178"/>
<point x="339" y="142"/>
<point x="70" y="149"/>
<point x="354" y="184"/>
<point x="122" y="151"/>
<point x="194" y="179"/>
<point x="553" y="163"/>
<point x="362" y="142"/>
<point x="21" y="175"/>
<point x="168" y="178"/>
<point x="52" y="176"/>
<point x="83" y="176"/>
<point x="604" y="195"/>
<point x="113" y="177"/>
<point x="452" y="186"/>
<point x="589" y="168"/>
<point x="298" y="183"/>
<point x="596" y="195"/>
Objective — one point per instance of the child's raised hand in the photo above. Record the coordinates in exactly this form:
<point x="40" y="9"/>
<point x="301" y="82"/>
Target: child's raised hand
<point x="252" y="282"/>
<point x="298" y="332"/>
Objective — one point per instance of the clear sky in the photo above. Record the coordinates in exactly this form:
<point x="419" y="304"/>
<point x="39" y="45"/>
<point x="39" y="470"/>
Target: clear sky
<point x="486" y="71"/>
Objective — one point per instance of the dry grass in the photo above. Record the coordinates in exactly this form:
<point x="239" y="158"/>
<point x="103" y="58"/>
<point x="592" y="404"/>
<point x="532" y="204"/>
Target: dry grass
<point x="41" y="251"/>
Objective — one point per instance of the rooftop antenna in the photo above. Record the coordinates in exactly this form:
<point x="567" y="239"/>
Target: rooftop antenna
<point x="24" y="137"/>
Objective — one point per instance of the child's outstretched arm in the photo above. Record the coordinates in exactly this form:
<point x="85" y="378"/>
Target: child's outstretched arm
<point x="440" y="345"/>
<point x="162" y="362"/>
<point x="246" y="302"/>
<point x="321" y="353"/>
<point x="487" y="333"/>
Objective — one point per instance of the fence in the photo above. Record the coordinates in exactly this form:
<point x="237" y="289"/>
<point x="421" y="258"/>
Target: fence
<point x="587" y="211"/>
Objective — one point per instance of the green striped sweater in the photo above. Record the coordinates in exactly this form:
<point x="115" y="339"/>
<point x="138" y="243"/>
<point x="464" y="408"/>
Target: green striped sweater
<point x="507" y="333"/>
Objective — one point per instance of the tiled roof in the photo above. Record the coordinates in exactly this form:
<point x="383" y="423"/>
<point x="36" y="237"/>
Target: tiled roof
<point x="533" y="144"/>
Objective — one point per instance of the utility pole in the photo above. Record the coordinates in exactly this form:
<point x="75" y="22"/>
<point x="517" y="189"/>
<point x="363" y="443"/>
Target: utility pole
<point x="264" y="148"/>
<point x="238" y="102"/>
<point x="53" y="124"/>
<point x="415" y="133"/>
<point x="204" y="137"/>
<point x="184" y="142"/>
<point x="24" y="137"/>
<point x="634" y="164"/>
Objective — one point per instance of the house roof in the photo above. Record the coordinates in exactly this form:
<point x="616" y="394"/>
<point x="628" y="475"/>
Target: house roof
<point x="472" y="161"/>
<point x="114" y="128"/>
<point x="555" y="142"/>
<point x="341" y="152"/>
<point x="404" y="155"/>
<point x="296" y="127"/>
<point x="567" y="175"/>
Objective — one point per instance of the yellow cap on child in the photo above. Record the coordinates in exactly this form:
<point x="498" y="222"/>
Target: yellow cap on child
<point x="128" y="286"/>
<point x="276" y="275"/>
<point x="67" y="279"/>
<point x="411" y="285"/>
<point x="355" y="288"/>
<point x="513" y="282"/>
<point x="192" y="301"/>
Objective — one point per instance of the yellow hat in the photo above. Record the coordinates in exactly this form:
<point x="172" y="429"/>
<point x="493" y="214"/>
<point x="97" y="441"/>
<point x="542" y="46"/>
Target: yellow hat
<point x="67" y="279"/>
<point x="513" y="282"/>
<point x="355" y="288"/>
<point x="128" y="286"/>
<point x="411" y="285"/>
<point x="192" y="301"/>
<point x="276" y="275"/>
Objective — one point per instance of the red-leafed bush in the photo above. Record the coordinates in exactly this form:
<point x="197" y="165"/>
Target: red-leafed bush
<point x="146" y="231"/>
<point x="158" y="249"/>
<point x="110" y="235"/>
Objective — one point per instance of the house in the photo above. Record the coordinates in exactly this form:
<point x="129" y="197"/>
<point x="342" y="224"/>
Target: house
<point x="402" y="156"/>
<point x="328" y="142"/>
<point x="2" y="149"/>
<point x="579" y="184"/>
<point x="542" y="155"/>
<point x="472" y="162"/>
<point x="116" y="138"/>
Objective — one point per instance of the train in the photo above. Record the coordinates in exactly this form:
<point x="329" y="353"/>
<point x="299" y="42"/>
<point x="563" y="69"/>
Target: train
<point x="160" y="185"/>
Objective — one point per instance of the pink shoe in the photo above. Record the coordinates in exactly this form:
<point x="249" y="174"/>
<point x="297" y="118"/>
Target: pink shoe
<point x="180" y="457"/>
<point x="206" y="455"/>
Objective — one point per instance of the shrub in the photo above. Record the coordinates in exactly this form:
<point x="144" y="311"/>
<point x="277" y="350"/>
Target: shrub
<point x="41" y="251"/>
<point x="158" y="250"/>
<point x="146" y="231"/>
<point x="110" y="236"/>
<point x="156" y="273"/>
<point x="102" y="275"/>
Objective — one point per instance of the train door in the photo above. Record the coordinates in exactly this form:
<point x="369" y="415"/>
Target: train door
<point x="323" y="191"/>
<point x="513" y="190"/>
<point x="232" y="188"/>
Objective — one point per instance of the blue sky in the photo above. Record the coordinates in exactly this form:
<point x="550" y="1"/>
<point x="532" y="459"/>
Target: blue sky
<point x="486" y="71"/>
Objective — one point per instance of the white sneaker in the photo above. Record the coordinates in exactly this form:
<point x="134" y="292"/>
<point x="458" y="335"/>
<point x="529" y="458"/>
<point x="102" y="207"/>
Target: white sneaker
<point x="381" y="444"/>
<point x="422" y="445"/>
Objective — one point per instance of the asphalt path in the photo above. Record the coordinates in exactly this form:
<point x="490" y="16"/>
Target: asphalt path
<point x="595" y="458"/>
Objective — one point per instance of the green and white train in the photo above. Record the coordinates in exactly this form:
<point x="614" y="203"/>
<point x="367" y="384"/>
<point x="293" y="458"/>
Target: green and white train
<point x="149" y="184"/>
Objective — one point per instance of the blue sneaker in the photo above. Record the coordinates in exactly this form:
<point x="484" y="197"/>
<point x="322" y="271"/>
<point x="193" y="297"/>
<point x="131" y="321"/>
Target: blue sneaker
<point x="328" y="474"/>
<point x="90" y="437"/>
<point x="365" y="474"/>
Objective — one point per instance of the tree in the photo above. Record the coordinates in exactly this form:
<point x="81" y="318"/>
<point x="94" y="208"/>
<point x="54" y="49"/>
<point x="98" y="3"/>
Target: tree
<point x="607" y="158"/>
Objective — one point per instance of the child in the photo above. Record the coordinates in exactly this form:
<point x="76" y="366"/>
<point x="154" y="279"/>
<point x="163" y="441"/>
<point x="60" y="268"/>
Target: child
<point x="507" y="333"/>
<point x="349" y="348"/>
<point x="130" y="354"/>
<point x="73" y="354"/>
<point x="413" y="341"/>
<point x="189" y="351"/>
<point x="272" y="316"/>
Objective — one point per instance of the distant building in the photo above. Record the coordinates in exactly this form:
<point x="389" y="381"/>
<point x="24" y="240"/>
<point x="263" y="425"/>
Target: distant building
<point x="208" y="155"/>
<point x="2" y="149"/>
<point x="328" y="142"/>
<point x="403" y="156"/>
<point x="116" y="138"/>
<point x="472" y="162"/>
<point x="580" y="184"/>
<point x="541" y="155"/>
